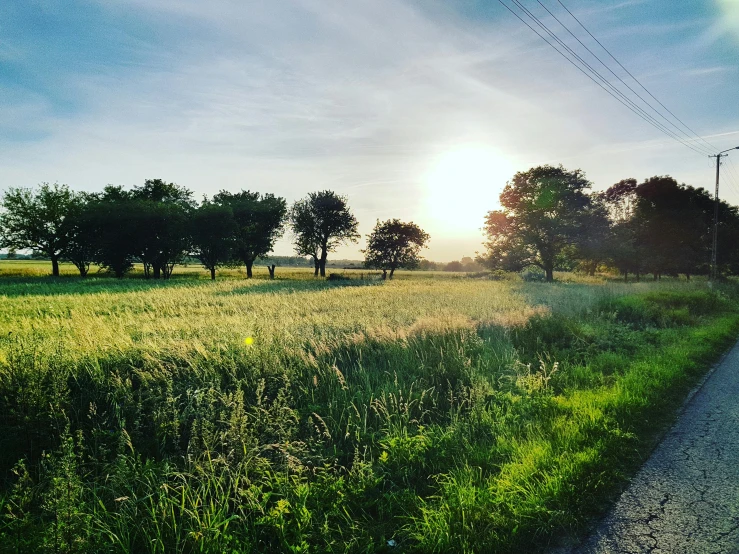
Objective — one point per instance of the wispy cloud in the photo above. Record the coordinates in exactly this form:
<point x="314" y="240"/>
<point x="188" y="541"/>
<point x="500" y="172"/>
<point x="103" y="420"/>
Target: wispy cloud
<point x="292" y="96"/>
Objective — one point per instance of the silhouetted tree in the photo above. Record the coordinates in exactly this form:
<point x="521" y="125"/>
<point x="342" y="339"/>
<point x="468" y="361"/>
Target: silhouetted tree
<point x="82" y="243"/>
<point x="320" y="223"/>
<point x="162" y="214"/>
<point x="38" y="220"/>
<point x="543" y="210"/>
<point x="260" y="221"/>
<point x="113" y="217"/>
<point x="305" y="238"/>
<point x="213" y="231"/>
<point x="394" y="244"/>
<point x="672" y="226"/>
<point x="590" y="247"/>
<point x="455" y="265"/>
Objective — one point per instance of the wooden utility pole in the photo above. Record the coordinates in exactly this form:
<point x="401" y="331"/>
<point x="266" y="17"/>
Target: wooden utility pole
<point x="714" y="249"/>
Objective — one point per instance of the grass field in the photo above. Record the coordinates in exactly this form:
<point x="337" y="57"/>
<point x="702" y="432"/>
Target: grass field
<point x="439" y="412"/>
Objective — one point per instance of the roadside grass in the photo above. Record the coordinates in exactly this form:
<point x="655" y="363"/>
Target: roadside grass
<point x="446" y="415"/>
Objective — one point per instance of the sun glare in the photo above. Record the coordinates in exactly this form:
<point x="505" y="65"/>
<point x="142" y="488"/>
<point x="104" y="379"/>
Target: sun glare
<point x="464" y="184"/>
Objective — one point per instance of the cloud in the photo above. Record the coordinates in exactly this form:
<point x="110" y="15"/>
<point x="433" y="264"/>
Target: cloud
<point x="300" y="95"/>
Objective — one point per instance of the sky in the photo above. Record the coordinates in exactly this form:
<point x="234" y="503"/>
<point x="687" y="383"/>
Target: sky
<point x="414" y="109"/>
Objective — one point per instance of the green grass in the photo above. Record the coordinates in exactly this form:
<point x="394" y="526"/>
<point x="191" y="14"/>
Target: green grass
<point x="446" y="413"/>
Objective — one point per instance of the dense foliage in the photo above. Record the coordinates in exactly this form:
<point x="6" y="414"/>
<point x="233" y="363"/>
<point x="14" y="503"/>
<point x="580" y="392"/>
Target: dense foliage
<point x="394" y="244"/>
<point x="659" y="226"/>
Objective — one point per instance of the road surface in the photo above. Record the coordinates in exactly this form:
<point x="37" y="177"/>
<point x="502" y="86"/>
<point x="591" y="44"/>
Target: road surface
<point x="685" y="499"/>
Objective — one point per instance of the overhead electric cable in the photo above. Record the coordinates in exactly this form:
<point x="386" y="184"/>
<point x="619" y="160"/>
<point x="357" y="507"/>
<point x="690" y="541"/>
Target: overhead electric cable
<point x="712" y="147"/>
<point x="626" y="102"/>
<point x="686" y="136"/>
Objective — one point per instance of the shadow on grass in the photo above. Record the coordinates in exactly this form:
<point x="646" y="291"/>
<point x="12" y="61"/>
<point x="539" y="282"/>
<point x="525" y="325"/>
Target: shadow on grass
<point x="288" y="286"/>
<point x="73" y="285"/>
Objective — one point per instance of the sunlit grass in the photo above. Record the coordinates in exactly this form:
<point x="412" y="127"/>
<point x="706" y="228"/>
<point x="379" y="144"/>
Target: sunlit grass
<point x="447" y="413"/>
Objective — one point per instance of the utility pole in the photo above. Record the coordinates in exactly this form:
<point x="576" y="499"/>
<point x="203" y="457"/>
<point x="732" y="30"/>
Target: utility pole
<point x="714" y="249"/>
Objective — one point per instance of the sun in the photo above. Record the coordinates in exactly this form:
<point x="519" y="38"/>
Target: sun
<point x="463" y="184"/>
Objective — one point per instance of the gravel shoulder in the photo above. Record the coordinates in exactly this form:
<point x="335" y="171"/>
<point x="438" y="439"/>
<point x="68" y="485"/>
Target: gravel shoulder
<point x="685" y="499"/>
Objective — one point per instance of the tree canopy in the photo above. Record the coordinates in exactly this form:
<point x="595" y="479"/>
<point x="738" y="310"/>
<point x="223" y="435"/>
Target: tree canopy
<point x="259" y="221"/>
<point x="542" y="213"/>
<point x="394" y="244"/>
<point x="38" y="220"/>
<point x="320" y="223"/>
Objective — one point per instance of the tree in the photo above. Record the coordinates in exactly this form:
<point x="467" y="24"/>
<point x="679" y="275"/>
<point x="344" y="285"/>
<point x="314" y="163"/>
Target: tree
<point x="213" y="232"/>
<point x="162" y="215"/>
<point x="454" y="266"/>
<point x="673" y="226"/>
<point x="320" y="223"/>
<point x="117" y="231"/>
<point x="37" y="220"/>
<point x="81" y="239"/>
<point x="394" y="244"/>
<point x="591" y="243"/>
<point x="259" y="221"/>
<point x="543" y="210"/>
<point x="306" y="240"/>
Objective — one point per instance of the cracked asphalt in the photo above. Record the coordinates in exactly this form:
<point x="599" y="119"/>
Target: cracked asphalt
<point x="685" y="499"/>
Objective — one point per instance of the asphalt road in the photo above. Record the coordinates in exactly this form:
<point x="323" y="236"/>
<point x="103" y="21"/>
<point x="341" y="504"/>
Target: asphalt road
<point x="685" y="499"/>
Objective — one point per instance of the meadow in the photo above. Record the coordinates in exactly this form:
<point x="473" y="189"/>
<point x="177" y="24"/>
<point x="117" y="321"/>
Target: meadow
<point x="432" y="413"/>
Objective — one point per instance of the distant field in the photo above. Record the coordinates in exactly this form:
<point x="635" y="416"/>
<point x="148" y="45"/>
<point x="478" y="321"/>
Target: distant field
<point x="445" y="413"/>
<point x="42" y="268"/>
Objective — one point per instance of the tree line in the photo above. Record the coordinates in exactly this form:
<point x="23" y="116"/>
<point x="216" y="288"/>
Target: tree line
<point x="551" y="220"/>
<point x="159" y="224"/>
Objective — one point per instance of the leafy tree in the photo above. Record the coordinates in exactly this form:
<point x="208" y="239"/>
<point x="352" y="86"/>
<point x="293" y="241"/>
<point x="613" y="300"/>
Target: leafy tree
<point x="394" y="244"/>
<point x="306" y="240"/>
<point x="621" y="247"/>
<point x="674" y="226"/>
<point x="213" y="230"/>
<point x="37" y="220"/>
<point x="259" y="220"/>
<point x="543" y="210"/>
<point x="455" y="265"/>
<point x="12" y="254"/>
<point x="590" y="247"/>
<point x="320" y="223"/>
<point x="163" y="211"/>
<point x="112" y="216"/>
<point x="81" y="244"/>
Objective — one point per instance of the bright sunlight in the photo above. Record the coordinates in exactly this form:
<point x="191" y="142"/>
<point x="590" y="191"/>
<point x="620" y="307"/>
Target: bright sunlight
<point x="464" y="184"/>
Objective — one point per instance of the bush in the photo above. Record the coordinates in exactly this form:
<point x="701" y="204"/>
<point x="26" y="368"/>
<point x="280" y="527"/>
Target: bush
<point x="533" y="275"/>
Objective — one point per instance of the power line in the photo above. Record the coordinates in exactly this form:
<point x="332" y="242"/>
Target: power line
<point x="712" y="147"/>
<point x="733" y="178"/>
<point x="649" y="105"/>
<point x="628" y="103"/>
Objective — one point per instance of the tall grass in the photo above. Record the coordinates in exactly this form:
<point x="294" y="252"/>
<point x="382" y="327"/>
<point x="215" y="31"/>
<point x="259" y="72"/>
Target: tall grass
<point x="447" y="415"/>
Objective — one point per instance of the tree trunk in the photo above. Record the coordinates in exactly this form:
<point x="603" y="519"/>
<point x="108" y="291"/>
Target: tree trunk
<point x="157" y="271"/>
<point x="638" y="277"/>
<point x="626" y="276"/>
<point x="324" y="256"/>
<point x="317" y="266"/>
<point x="384" y="274"/>
<point x="248" y="269"/>
<point x="392" y="270"/>
<point x="213" y="273"/>
<point x="687" y="276"/>
<point x="271" y="269"/>
<point x="55" y="266"/>
<point x="654" y="276"/>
